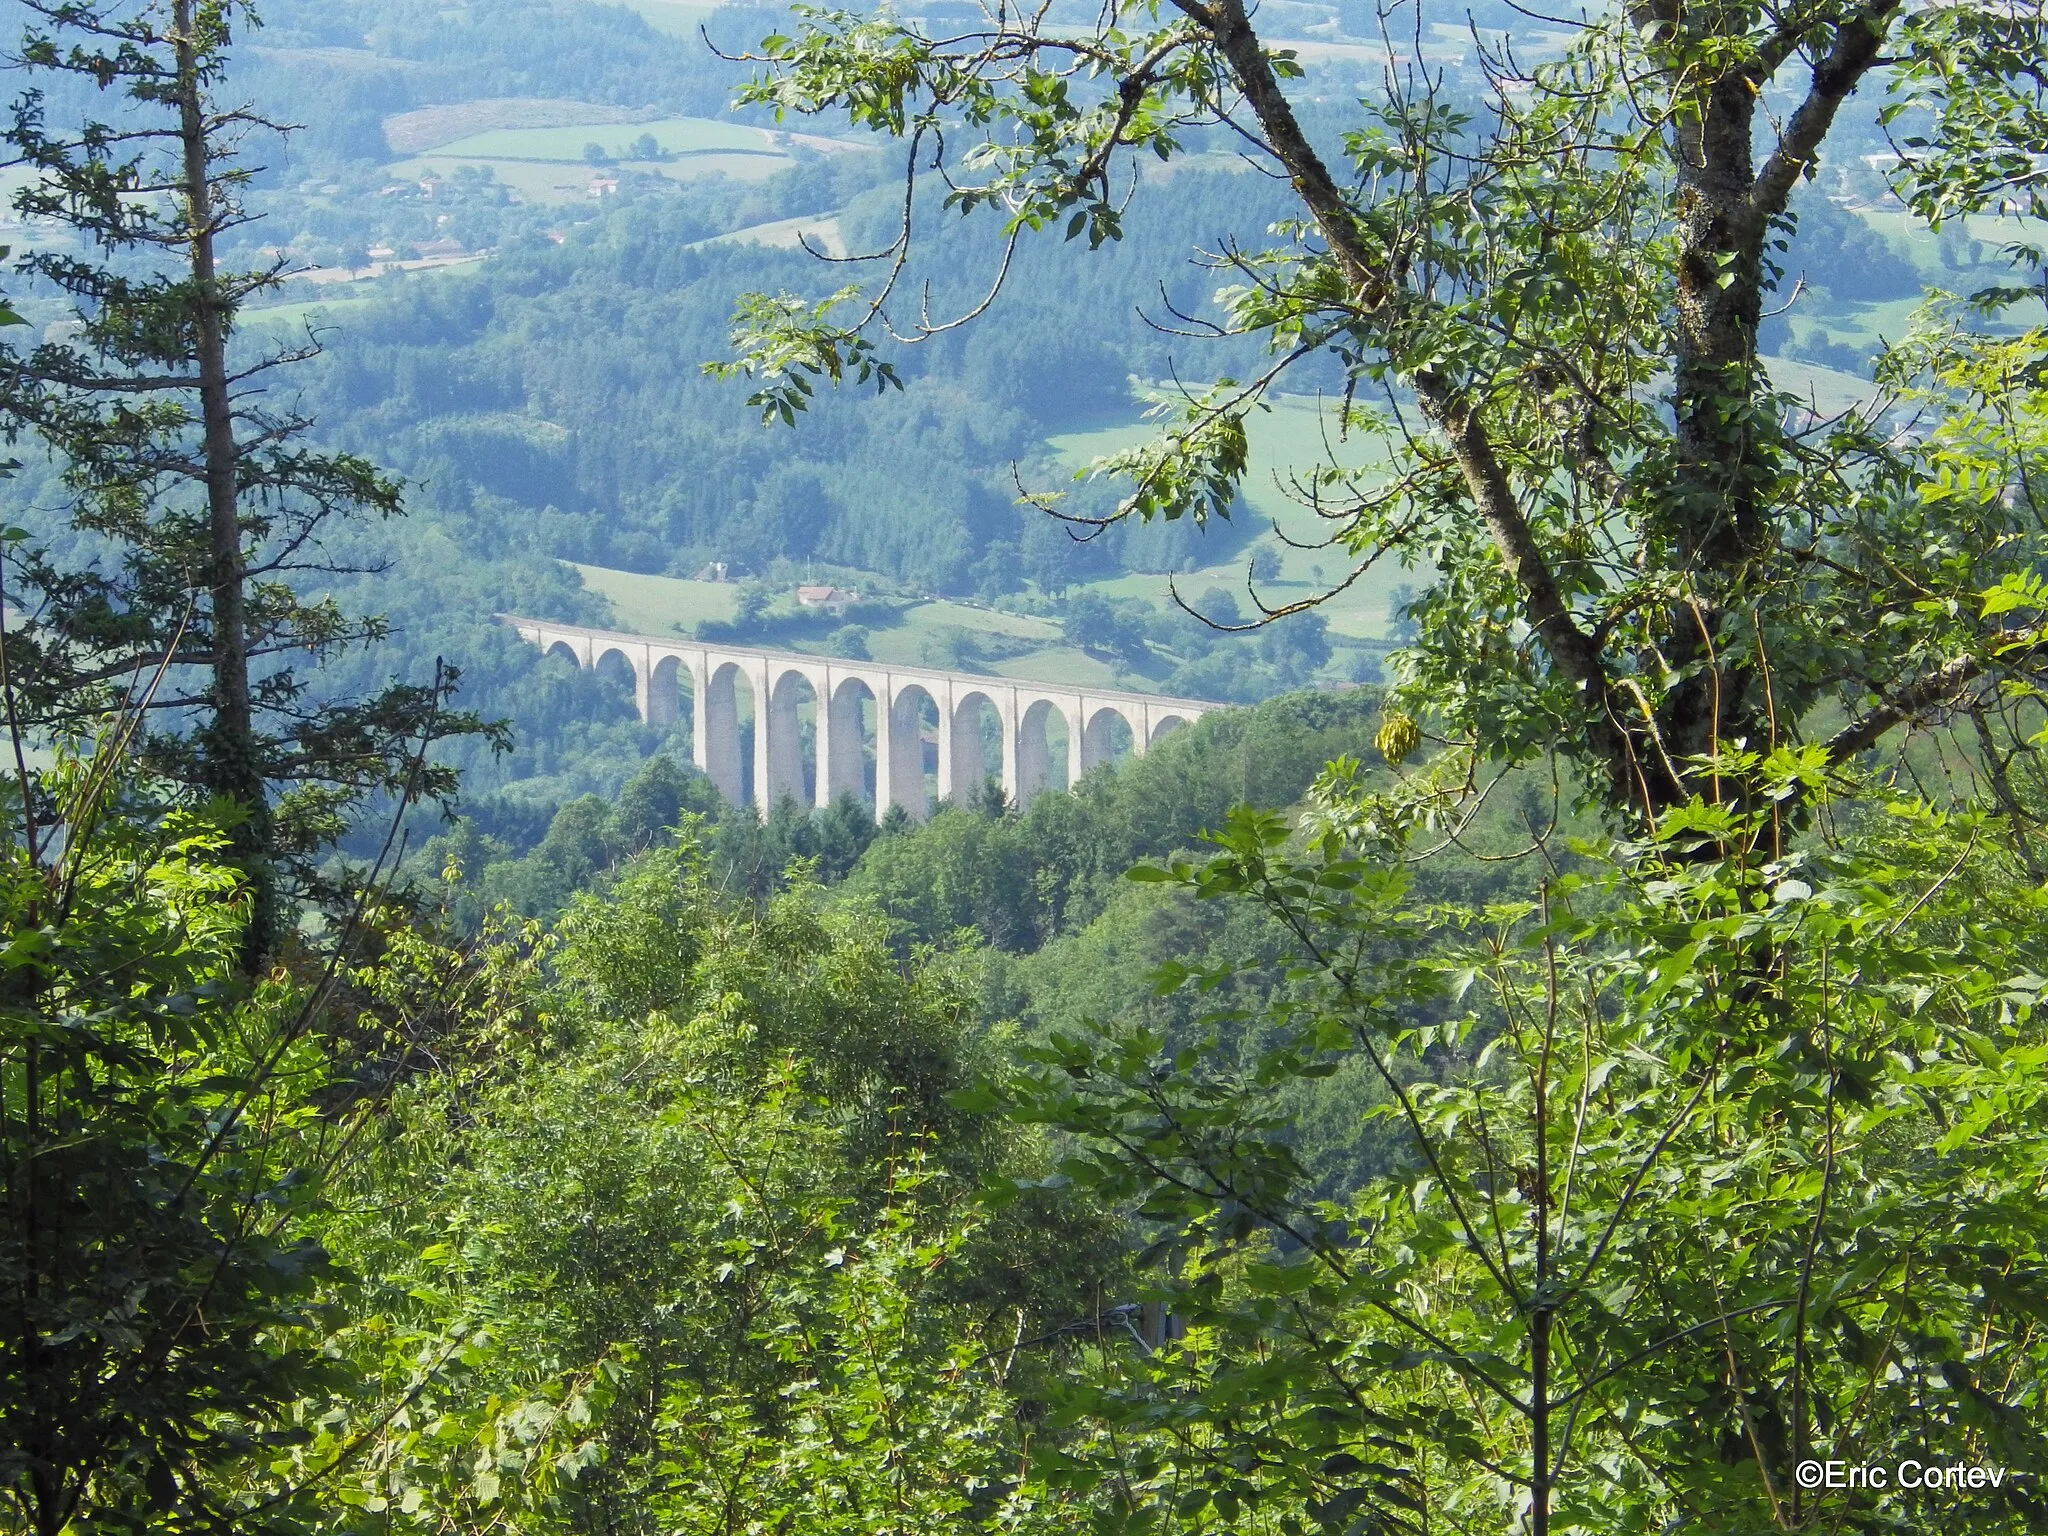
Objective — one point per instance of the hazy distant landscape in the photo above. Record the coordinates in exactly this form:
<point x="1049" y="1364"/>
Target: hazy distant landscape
<point x="1419" y="903"/>
<point x="526" y="249"/>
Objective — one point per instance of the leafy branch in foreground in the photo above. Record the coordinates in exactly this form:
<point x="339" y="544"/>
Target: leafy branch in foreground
<point x="786" y="343"/>
<point x="1551" y="281"/>
<point x="1713" y="1166"/>
<point x="161" y="1135"/>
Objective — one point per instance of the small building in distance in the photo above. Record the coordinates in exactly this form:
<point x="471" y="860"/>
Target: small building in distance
<point x="712" y="571"/>
<point x="831" y="599"/>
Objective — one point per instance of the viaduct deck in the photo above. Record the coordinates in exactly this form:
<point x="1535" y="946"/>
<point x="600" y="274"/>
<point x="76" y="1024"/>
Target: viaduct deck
<point x="777" y="683"/>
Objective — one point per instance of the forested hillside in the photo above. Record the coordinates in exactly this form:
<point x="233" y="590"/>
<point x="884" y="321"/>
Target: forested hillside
<point x="1558" y="1051"/>
<point x="546" y="401"/>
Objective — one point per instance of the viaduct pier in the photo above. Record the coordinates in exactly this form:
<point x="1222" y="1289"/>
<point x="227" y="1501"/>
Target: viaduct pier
<point x="857" y="707"/>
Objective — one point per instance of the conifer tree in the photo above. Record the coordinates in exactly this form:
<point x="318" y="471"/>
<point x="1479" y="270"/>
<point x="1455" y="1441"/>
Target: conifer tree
<point x="204" y="502"/>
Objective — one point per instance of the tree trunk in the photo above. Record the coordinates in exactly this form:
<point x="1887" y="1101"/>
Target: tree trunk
<point x="1729" y="453"/>
<point x="230" y="761"/>
<point x="1716" y="521"/>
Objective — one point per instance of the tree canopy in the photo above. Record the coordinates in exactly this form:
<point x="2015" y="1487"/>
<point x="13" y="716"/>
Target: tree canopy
<point x="1544" y="297"/>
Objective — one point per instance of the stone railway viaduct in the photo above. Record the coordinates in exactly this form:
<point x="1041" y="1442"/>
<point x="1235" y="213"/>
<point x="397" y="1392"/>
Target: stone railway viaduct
<point x="777" y="683"/>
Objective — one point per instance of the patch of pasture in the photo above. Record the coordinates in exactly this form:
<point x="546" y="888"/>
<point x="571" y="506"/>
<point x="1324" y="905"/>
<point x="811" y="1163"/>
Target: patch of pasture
<point x="818" y="231"/>
<point x="659" y="605"/>
<point x="1299" y="433"/>
<point x="1064" y="664"/>
<point x="1827" y="391"/>
<point x="552" y="182"/>
<point x="429" y="128"/>
<point x="674" y="135"/>
<point x="927" y="634"/>
<point x="298" y="313"/>
<point x="989" y="621"/>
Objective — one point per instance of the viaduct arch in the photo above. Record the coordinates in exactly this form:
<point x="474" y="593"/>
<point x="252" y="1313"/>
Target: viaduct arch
<point x="776" y="684"/>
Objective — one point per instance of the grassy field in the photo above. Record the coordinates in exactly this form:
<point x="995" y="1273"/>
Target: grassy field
<point x="1864" y="325"/>
<point x="675" y="135"/>
<point x="297" y="313"/>
<point x="546" y="165"/>
<point x="1064" y="664"/>
<point x="659" y="605"/>
<point x="924" y="634"/>
<point x="1906" y="229"/>
<point x="536" y="148"/>
<point x="1296" y="434"/>
<point x="1831" y="392"/>
<point x="425" y="129"/>
<point x="548" y="182"/>
<point x="819" y="230"/>
<point x="333" y="301"/>
<point x="938" y="614"/>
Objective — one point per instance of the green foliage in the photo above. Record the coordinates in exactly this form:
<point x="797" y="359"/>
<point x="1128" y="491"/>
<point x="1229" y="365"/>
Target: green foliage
<point x="1970" y="69"/>
<point x="785" y="343"/>
<point x="1194" y="468"/>
<point x="592" y="836"/>
<point x="1092" y="624"/>
<point x="1106" y="970"/>
<point x="161" y="1141"/>
<point x="1711" y="1167"/>
<point x="193" y="508"/>
<point x="1518" y="1186"/>
<point x="750" y="1291"/>
<point x="1556" y="276"/>
<point x="1019" y="878"/>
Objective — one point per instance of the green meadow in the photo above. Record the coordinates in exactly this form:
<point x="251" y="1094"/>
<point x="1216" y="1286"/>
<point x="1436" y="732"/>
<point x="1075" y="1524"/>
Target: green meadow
<point x="948" y="635"/>
<point x="675" y="135"/>
<point x="659" y="605"/>
<point x="1295" y="435"/>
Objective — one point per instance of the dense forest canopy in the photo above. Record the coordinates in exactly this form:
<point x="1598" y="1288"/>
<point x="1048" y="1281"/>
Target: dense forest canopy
<point x="1563" y="1053"/>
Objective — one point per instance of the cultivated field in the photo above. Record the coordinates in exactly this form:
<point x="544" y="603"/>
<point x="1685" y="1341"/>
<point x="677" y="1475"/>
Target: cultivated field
<point x="922" y="635"/>
<point x="1291" y="438"/>
<point x="412" y="133"/>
